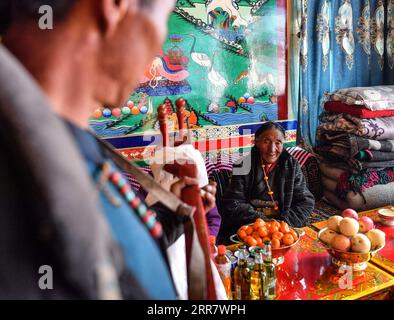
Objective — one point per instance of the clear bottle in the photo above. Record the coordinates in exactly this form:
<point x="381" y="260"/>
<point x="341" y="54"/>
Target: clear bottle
<point x="270" y="270"/>
<point x="258" y="278"/>
<point x="242" y="276"/>
<point x="223" y="264"/>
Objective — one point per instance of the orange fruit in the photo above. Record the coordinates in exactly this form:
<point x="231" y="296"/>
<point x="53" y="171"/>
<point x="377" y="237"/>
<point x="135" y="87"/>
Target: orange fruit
<point x="258" y="223"/>
<point x="249" y="230"/>
<point x="255" y="235"/>
<point x="275" y="243"/>
<point x="250" y="241"/>
<point x="242" y="234"/>
<point x="259" y="241"/>
<point x="274" y="228"/>
<point x="262" y="231"/>
<point x="275" y="223"/>
<point x="277" y="235"/>
<point x="294" y="234"/>
<point x="266" y="239"/>
<point x="288" y="239"/>
<point x="284" y="227"/>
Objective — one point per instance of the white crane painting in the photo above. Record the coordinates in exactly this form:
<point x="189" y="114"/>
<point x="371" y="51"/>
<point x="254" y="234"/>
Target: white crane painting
<point x="215" y="78"/>
<point x="198" y="57"/>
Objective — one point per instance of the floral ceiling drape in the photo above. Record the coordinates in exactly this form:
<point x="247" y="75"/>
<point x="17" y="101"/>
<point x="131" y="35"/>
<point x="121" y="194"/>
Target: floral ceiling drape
<point x="342" y="43"/>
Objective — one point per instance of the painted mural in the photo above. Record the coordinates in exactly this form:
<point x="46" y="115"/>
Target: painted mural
<point x="226" y="58"/>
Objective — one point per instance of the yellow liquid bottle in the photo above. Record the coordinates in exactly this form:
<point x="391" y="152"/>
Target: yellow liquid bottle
<point x="270" y="270"/>
<point x="258" y="278"/>
<point x="242" y="276"/>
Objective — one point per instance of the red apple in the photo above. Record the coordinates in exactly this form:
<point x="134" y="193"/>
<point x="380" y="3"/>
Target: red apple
<point x="350" y="213"/>
<point x="366" y="224"/>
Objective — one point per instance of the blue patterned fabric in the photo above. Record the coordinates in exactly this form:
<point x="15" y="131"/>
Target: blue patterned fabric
<point x="343" y="43"/>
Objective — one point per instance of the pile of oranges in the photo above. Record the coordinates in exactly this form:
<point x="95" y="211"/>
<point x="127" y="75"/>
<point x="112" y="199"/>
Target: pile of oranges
<point x="279" y="233"/>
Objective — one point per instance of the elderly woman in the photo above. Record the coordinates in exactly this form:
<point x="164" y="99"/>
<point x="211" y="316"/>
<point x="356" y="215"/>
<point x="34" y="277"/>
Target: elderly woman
<point x="268" y="184"/>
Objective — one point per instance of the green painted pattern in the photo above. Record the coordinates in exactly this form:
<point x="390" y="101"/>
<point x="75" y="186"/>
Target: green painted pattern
<point x="259" y="58"/>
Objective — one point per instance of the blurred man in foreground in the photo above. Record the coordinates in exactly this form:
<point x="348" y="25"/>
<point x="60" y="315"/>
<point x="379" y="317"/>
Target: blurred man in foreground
<point x="69" y="227"/>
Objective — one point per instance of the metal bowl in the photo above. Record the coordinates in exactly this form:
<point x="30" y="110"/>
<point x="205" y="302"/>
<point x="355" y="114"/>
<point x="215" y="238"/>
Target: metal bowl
<point x="277" y="254"/>
<point x="358" y="261"/>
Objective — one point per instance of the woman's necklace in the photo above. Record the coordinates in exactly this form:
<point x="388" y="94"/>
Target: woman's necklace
<point x="270" y="192"/>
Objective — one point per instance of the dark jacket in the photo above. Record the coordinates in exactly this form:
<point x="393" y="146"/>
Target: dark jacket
<point x="295" y="200"/>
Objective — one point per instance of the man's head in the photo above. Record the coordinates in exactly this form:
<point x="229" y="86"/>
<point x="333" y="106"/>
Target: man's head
<point x="269" y="139"/>
<point x="108" y="42"/>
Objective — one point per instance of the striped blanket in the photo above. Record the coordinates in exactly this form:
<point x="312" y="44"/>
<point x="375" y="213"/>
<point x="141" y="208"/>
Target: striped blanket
<point x="348" y="145"/>
<point x="300" y="154"/>
<point x="377" y="128"/>
<point x="224" y="163"/>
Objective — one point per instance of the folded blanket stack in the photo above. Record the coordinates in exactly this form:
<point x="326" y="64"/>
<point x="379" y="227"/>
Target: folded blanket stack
<point x="356" y="141"/>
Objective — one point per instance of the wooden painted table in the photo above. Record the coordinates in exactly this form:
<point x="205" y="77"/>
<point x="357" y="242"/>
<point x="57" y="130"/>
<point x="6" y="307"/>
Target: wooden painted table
<point x="385" y="257"/>
<point x="308" y="274"/>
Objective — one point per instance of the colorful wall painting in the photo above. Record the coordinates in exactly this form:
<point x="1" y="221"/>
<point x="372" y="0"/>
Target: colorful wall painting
<point x="227" y="58"/>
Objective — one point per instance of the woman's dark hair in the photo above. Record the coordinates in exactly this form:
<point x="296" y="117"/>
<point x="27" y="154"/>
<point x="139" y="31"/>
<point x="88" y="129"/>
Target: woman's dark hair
<point x="267" y="126"/>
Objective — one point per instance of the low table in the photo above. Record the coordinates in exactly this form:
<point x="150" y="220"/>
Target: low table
<point x="308" y="274"/>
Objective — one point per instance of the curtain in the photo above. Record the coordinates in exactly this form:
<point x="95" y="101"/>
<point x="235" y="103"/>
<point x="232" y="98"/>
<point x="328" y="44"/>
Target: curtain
<point x="343" y="43"/>
<point x="294" y="51"/>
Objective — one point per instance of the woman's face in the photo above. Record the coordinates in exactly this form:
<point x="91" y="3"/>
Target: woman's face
<point x="270" y="145"/>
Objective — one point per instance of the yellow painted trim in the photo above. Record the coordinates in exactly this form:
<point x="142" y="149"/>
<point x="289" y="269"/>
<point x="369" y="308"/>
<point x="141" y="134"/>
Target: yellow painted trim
<point x="227" y="149"/>
<point x="200" y="141"/>
<point x="197" y="129"/>
<point x="374" y="289"/>
<point x="152" y="146"/>
<point x="383" y="266"/>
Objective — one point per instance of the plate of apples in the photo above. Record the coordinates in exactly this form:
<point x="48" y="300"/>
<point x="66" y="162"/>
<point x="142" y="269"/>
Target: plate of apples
<point x="351" y="240"/>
